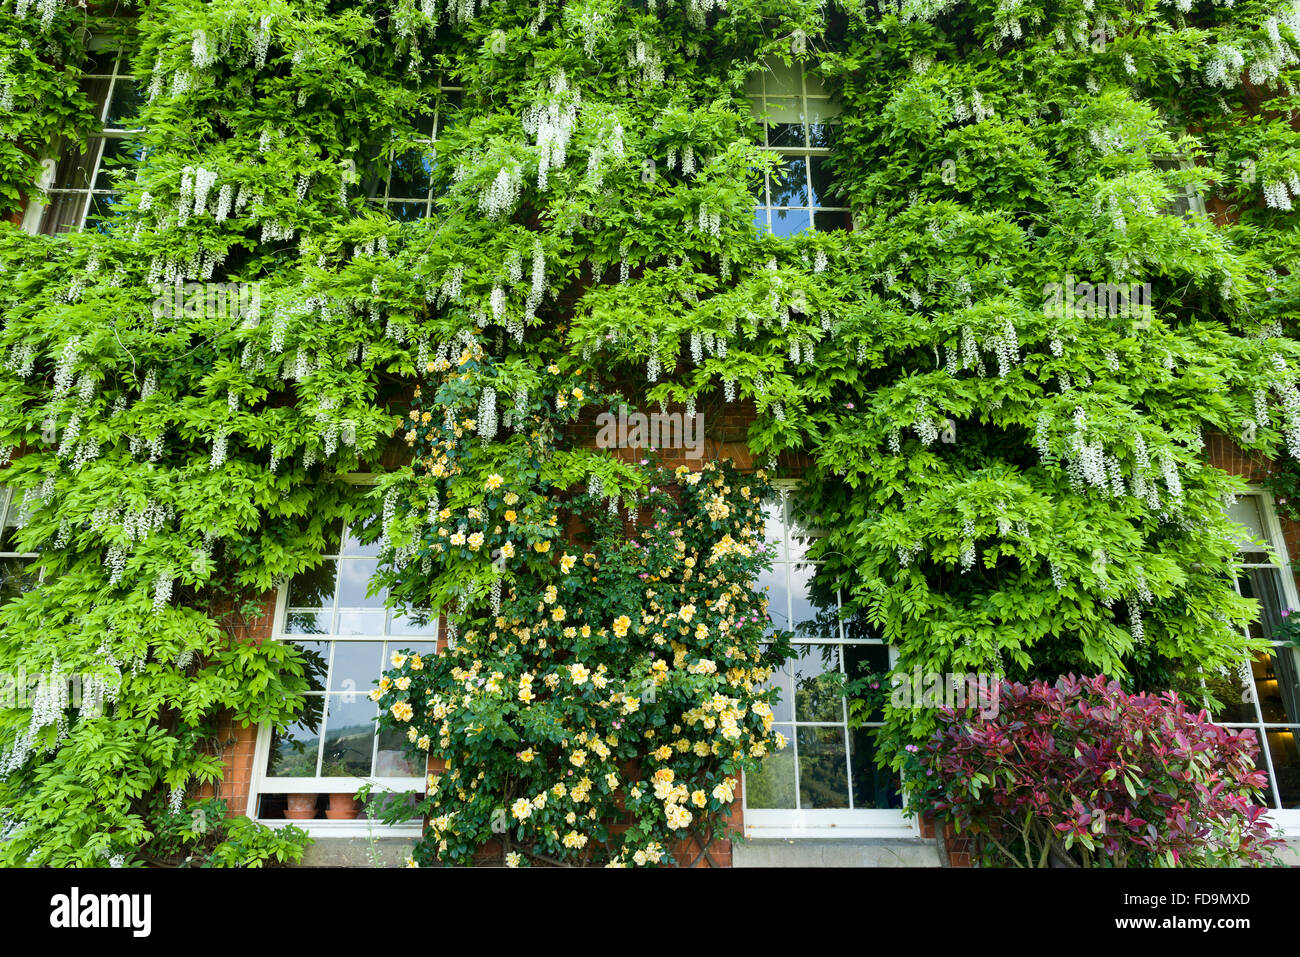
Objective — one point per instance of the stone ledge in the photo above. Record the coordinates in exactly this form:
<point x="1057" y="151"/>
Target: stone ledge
<point x="358" y="852"/>
<point x="849" y="852"/>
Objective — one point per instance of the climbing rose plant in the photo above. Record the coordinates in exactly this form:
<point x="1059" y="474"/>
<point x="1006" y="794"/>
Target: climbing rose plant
<point x="1080" y="773"/>
<point x="599" y="703"/>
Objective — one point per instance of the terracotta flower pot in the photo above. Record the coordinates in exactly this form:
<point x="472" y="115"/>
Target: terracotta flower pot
<point x="302" y="807"/>
<point x="343" y="807"/>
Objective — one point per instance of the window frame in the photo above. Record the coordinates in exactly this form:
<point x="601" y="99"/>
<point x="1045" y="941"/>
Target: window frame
<point x="386" y="203"/>
<point x="1286" y="820"/>
<point x="823" y="823"/>
<point x="9" y="501"/>
<point x="35" y="216"/>
<point x="759" y="106"/>
<point x="261" y="783"/>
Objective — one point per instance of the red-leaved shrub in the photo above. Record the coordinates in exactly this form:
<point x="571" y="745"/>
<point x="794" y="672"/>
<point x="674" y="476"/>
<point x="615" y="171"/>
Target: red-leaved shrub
<point x="1080" y="773"/>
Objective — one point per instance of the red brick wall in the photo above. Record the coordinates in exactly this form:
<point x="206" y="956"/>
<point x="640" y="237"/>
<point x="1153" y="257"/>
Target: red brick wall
<point x="236" y="744"/>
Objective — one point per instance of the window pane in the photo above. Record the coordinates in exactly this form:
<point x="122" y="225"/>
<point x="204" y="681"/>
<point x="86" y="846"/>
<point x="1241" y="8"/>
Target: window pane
<point x="416" y="623"/>
<point x="823" y="768"/>
<point x="410" y="174"/>
<point x="813" y="606"/>
<point x="783" y="681"/>
<point x="96" y="90"/>
<point x="803" y="525"/>
<point x="774" y="520"/>
<point x="117" y="153"/>
<point x="75" y="165"/>
<point x="772" y="786"/>
<point x="821" y="183"/>
<point x="408" y="212"/>
<point x="294" y="750"/>
<point x="1228" y="690"/>
<point x="783" y="79"/>
<point x="790" y="183"/>
<point x="103" y="210"/>
<point x="821" y="109"/>
<point x="863" y="660"/>
<point x="17" y="575"/>
<point x="99" y="62"/>
<point x="1286" y="764"/>
<point x="356" y="666"/>
<point x="9" y="522"/>
<point x="349" y="736"/>
<point x="398" y="757"/>
<point x="125" y="107"/>
<point x="818" y="691"/>
<point x="760" y="220"/>
<point x="353" y="545"/>
<point x="773" y="584"/>
<point x="1245" y="512"/>
<point x="317" y="655"/>
<point x="1279" y="687"/>
<point x="1264" y="585"/>
<point x="786" y="134"/>
<point x="873" y="787"/>
<point x="360" y="623"/>
<point x="425" y="649"/>
<point x="354" y="580"/>
<point x="790" y="222"/>
<point x="307" y="623"/>
<point x="825" y="222"/>
<point x="314" y="588"/>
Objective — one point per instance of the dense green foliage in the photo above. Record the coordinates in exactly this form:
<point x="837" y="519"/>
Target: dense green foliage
<point x="999" y="484"/>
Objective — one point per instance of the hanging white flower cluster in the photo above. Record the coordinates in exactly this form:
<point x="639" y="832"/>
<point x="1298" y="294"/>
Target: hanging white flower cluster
<point x="710" y="221"/>
<point x="641" y="56"/>
<point x="1277" y="195"/>
<point x="275" y="231"/>
<point x="218" y="450"/>
<point x="487" y="414"/>
<point x="500" y="197"/>
<point x="652" y="363"/>
<point x="204" y="180"/>
<point x="907" y="553"/>
<point x="97" y="690"/>
<point x="1289" y="397"/>
<point x="21" y="359"/>
<point x="1007" y="19"/>
<point x="925" y="427"/>
<point x="1006" y="346"/>
<point x="200" y="55"/>
<point x="1135" y="620"/>
<point x="67" y="365"/>
<point x="162" y="590"/>
<point x="968" y="548"/>
<point x="49" y="708"/>
<point x="260" y="37"/>
<point x="1086" y="460"/>
<point x="1224" y="66"/>
<point x="552" y="122"/>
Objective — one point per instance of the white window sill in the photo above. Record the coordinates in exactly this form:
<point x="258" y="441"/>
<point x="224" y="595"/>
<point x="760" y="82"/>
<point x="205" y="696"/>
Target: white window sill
<point x="348" y="829"/>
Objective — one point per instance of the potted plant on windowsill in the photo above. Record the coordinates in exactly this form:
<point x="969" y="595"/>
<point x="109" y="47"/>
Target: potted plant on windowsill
<point x="343" y="806"/>
<point x="301" y="807"/>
